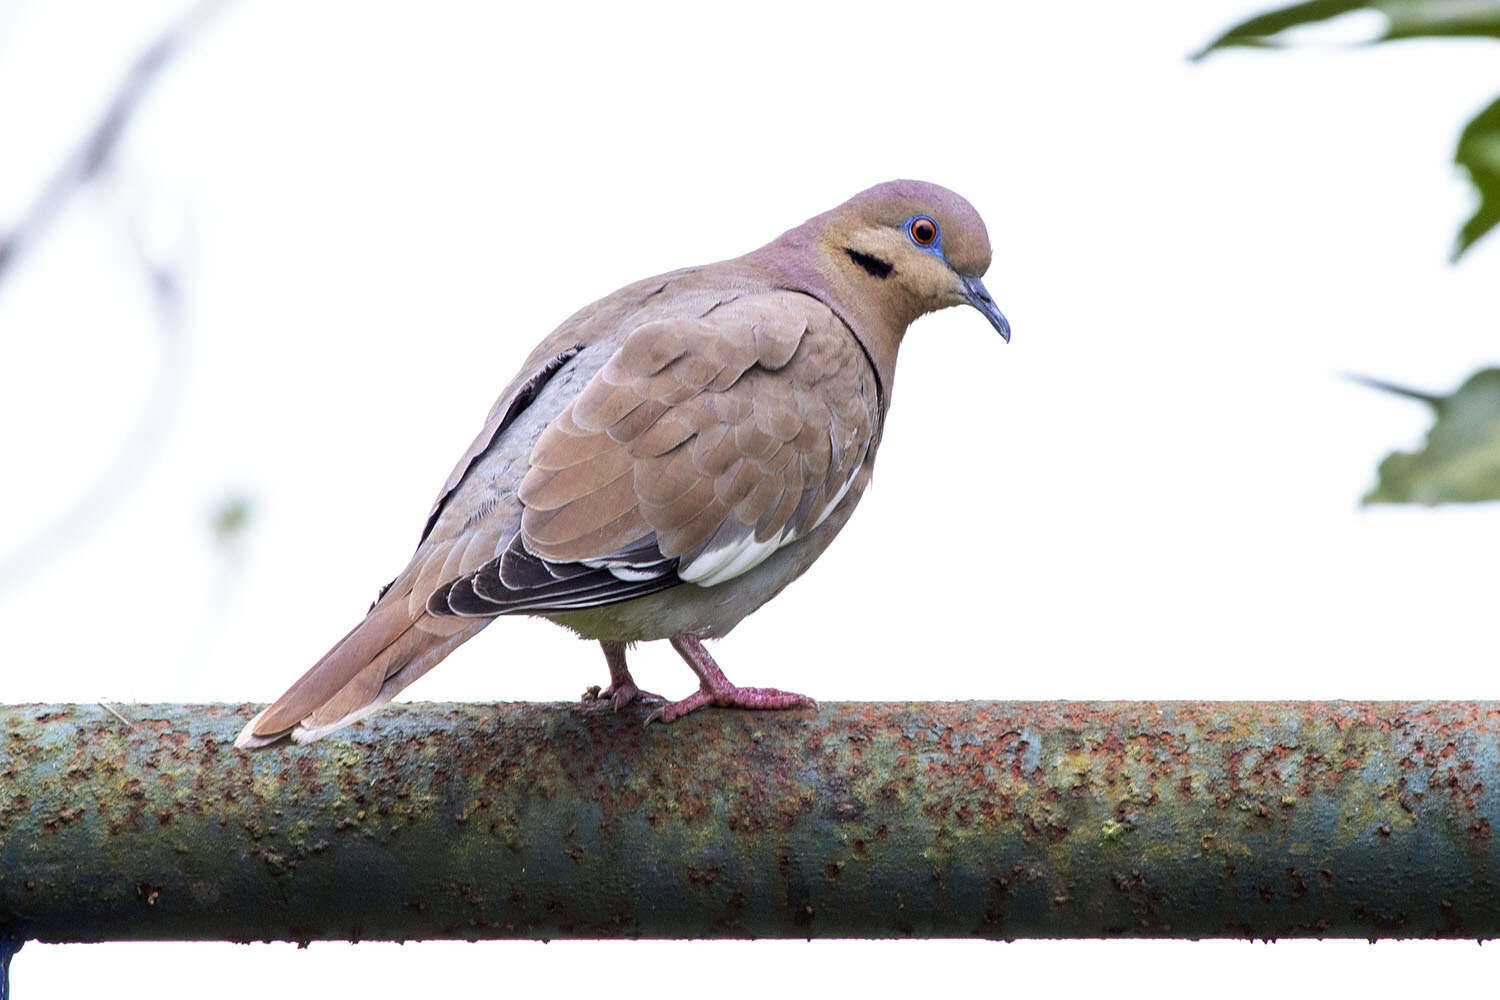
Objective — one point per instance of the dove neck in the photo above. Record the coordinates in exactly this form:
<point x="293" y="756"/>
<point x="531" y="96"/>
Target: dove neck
<point x="878" y="321"/>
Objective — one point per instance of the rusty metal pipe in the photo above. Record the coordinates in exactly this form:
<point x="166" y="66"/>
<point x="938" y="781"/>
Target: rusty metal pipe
<point x="994" y="819"/>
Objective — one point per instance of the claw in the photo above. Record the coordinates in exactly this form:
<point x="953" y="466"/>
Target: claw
<point x="621" y="695"/>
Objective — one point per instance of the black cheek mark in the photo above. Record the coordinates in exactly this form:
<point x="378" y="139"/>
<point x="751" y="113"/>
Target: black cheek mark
<point x="874" y="266"/>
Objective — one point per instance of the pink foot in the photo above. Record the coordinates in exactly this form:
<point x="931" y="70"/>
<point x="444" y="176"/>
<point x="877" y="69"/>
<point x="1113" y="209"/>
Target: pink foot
<point x="731" y="697"/>
<point x="715" y="689"/>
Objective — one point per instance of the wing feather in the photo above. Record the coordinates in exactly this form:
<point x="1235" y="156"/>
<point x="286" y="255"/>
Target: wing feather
<point x="744" y="407"/>
<point x="699" y="448"/>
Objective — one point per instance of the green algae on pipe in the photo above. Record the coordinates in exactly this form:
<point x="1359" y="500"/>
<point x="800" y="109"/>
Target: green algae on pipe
<point x="971" y="819"/>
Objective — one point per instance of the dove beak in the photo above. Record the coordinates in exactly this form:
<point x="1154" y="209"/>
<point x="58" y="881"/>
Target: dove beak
<point x="979" y="297"/>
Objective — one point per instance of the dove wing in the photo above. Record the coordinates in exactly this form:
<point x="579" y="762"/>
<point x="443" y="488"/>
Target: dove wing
<point x="702" y="446"/>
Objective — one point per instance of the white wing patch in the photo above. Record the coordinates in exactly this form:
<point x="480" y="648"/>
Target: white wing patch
<point x="714" y="566"/>
<point x="628" y="572"/>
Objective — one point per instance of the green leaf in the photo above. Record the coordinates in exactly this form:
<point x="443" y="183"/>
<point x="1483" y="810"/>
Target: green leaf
<point x="1478" y="151"/>
<point x="1260" y="30"/>
<point x="1440" y="18"/>
<point x="1460" y="462"/>
<point x="1404" y="19"/>
<point x="1479" y="154"/>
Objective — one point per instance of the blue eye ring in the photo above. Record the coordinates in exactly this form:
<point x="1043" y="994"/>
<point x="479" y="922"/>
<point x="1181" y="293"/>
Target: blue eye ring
<point x="923" y="231"/>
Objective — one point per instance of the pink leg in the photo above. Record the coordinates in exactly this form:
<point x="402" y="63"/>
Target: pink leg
<point x="715" y="689"/>
<point x="622" y="690"/>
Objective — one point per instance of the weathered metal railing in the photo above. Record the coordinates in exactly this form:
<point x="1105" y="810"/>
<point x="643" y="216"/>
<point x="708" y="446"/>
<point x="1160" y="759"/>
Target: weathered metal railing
<point x="995" y="820"/>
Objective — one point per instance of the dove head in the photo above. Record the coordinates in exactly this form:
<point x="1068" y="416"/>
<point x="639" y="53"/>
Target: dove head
<point x="889" y="255"/>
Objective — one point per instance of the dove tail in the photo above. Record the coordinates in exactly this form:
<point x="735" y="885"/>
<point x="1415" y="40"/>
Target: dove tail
<point x="364" y="670"/>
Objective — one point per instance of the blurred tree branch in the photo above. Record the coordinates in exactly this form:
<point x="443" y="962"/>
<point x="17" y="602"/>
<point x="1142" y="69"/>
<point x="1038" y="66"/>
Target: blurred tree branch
<point x="1460" y="460"/>
<point x="86" y="164"/>
<point x="93" y="154"/>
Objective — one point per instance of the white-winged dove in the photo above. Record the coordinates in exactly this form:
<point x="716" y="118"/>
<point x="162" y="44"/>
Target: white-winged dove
<point x="668" y="459"/>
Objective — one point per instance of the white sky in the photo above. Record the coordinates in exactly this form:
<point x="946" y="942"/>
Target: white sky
<point x="1152" y="492"/>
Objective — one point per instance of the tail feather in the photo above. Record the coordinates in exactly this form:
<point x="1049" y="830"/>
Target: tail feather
<point x="327" y="719"/>
<point x="364" y="670"/>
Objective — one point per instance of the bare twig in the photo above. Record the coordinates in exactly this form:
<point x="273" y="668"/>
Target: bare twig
<point x="1394" y="389"/>
<point x="111" y="710"/>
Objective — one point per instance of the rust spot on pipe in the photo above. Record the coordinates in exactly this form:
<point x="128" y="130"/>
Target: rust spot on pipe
<point x="991" y="819"/>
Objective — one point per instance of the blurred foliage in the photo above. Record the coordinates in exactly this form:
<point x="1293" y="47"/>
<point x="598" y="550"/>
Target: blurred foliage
<point x="1404" y="19"/>
<point x="230" y="519"/>
<point x="1478" y="152"/>
<point x="1460" y="461"/>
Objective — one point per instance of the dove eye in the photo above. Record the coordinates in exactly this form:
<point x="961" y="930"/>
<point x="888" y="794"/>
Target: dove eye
<point x="923" y="231"/>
